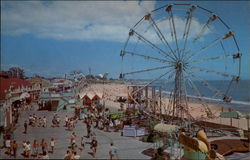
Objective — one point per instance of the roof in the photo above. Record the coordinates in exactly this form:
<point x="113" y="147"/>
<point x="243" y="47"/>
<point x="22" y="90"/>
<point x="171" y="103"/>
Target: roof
<point x="90" y="93"/>
<point x="5" y="84"/>
<point x="39" y="80"/>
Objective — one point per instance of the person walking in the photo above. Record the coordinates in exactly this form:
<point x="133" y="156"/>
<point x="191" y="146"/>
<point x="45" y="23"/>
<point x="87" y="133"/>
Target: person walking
<point x="113" y="152"/>
<point x="66" y="121"/>
<point x="28" y="149"/>
<point x="44" y="145"/>
<point x="74" y="147"/>
<point x="52" y="145"/>
<point x="72" y="138"/>
<point x="14" y="148"/>
<point x="82" y="143"/>
<point x="8" y="146"/>
<point x="94" y="144"/>
<point x="25" y="127"/>
<point x="35" y="148"/>
<point x="44" y="122"/>
<point x="24" y="146"/>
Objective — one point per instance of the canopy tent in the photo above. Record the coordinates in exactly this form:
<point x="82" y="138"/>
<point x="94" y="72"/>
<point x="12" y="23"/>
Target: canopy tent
<point x="90" y="94"/>
<point x="234" y="114"/>
<point x="165" y="128"/>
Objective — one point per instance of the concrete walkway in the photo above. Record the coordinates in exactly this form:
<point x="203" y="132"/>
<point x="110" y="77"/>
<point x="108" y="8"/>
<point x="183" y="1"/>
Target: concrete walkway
<point x="128" y="147"/>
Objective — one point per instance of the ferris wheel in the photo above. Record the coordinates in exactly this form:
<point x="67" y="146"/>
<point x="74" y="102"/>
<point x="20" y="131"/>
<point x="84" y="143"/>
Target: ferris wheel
<point x="183" y="47"/>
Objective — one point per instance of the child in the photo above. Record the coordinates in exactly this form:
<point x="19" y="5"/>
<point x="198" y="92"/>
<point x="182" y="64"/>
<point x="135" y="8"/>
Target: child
<point x="52" y="144"/>
<point x="35" y="148"/>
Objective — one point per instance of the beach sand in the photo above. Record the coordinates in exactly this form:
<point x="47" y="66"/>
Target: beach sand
<point x="111" y="90"/>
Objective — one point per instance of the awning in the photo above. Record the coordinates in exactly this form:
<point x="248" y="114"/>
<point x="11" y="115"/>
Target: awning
<point x="24" y="95"/>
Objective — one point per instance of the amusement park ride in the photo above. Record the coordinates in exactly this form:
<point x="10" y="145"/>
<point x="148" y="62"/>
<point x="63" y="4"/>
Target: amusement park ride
<point x="183" y="44"/>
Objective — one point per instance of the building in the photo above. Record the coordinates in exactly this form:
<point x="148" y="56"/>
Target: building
<point x="14" y="92"/>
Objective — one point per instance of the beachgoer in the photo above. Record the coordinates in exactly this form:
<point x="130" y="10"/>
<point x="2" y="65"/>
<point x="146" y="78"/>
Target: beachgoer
<point x="14" y="148"/>
<point x="74" y="147"/>
<point x="28" y="149"/>
<point x="94" y="145"/>
<point x="35" y="148"/>
<point x="58" y="121"/>
<point x="25" y="127"/>
<point x="112" y="152"/>
<point x="66" y="120"/>
<point x="8" y="146"/>
<point x="52" y="144"/>
<point x="30" y="119"/>
<point x="44" y="145"/>
<point x="24" y="146"/>
<point x="82" y="142"/>
<point x="88" y="130"/>
<point x="44" y="121"/>
<point x="72" y="138"/>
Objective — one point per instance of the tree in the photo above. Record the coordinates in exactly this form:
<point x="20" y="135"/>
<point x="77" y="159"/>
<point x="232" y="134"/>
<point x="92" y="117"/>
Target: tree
<point x="16" y="72"/>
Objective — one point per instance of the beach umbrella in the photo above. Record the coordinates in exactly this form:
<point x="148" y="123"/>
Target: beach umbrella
<point x="165" y="128"/>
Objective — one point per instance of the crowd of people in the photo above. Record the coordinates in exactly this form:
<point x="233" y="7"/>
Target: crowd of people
<point x="37" y="121"/>
<point x="94" y="119"/>
<point x="30" y="150"/>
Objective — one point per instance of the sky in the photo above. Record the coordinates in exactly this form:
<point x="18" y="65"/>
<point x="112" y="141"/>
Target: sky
<point x="52" y="38"/>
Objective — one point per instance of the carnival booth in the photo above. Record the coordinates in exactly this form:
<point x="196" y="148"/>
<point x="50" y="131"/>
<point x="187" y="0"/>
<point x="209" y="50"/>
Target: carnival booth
<point x="90" y="97"/>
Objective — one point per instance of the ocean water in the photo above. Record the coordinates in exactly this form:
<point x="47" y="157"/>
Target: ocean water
<point x="239" y="92"/>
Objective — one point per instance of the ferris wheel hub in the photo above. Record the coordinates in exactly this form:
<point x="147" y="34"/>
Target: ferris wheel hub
<point x="179" y="65"/>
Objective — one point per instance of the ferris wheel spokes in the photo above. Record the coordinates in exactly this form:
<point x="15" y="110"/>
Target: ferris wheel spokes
<point x="161" y="36"/>
<point x="147" y="70"/>
<point x="206" y="84"/>
<point x="212" y="71"/>
<point x="227" y="35"/>
<point x="200" y="97"/>
<point x="169" y="10"/>
<point x="234" y="56"/>
<point x="204" y="27"/>
<point x="123" y="52"/>
<point x="143" y="39"/>
<point x="149" y="83"/>
<point x="187" y="27"/>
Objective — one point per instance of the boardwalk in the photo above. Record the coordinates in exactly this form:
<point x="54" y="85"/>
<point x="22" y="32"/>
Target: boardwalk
<point x="129" y="148"/>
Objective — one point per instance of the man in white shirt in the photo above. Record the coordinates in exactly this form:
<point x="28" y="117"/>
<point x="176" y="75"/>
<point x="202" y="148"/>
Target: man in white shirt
<point x="7" y="144"/>
<point x="66" y="120"/>
<point x="113" y="151"/>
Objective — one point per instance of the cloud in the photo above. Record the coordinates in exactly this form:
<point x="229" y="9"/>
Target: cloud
<point x="83" y="20"/>
<point x="77" y="20"/>
<point x="147" y="30"/>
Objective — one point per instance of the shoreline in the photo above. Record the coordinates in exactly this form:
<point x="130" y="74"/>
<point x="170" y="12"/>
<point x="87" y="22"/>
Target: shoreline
<point x="111" y="90"/>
